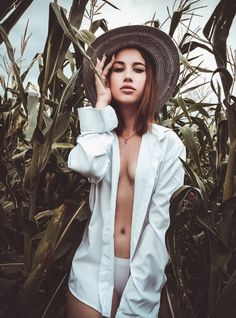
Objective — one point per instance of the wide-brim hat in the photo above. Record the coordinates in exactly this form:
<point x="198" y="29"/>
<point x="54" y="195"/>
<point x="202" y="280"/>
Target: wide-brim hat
<point x="158" y="45"/>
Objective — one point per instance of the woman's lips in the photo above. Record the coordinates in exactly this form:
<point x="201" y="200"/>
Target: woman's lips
<point x="127" y="89"/>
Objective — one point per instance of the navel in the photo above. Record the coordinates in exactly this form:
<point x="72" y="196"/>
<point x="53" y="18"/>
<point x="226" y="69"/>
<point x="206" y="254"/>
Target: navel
<point x="122" y="231"/>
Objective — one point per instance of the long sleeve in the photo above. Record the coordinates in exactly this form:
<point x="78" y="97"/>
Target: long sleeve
<point x="91" y="155"/>
<point x="141" y="296"/>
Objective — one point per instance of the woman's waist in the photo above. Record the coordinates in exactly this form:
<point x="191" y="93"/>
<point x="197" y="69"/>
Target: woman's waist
<point x="122" y="234"/>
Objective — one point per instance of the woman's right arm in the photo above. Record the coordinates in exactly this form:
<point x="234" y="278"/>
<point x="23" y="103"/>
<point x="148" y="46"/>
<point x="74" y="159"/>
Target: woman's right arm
<point x="91" y="155"/>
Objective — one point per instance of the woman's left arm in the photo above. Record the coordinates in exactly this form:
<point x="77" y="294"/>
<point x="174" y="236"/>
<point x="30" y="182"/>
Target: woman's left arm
<point x="141" y="296"/>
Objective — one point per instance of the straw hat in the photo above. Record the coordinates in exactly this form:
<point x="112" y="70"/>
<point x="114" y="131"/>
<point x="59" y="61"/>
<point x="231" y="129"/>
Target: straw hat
<point x="155" y="42"/>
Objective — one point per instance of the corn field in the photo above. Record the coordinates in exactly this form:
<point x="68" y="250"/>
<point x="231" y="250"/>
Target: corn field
<point x="44" y="205"/>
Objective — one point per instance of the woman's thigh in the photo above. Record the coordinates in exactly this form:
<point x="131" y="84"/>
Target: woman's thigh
<point x="115" y="303"/>
<point x="77" y="309"/>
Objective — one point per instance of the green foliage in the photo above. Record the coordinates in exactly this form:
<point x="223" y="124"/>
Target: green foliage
<point x="44" y="205"/>
<point x="201" y="237"/>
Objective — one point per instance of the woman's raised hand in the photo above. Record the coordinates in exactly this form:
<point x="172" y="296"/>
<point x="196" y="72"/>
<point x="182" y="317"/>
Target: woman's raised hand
<point x="104" y="96"/>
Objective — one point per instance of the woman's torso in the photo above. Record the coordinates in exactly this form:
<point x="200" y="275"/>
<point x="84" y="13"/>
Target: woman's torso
<point x="124" y="202"/>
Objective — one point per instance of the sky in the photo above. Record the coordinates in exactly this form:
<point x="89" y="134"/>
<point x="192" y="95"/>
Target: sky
<point x="131" y="12"/>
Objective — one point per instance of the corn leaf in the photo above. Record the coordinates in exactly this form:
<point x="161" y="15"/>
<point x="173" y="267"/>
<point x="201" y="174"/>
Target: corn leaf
<point x="10" y="53"/>
<point x="192" y="146"/>
<point x="47" y="243"/>
<point x="6" y="6"/>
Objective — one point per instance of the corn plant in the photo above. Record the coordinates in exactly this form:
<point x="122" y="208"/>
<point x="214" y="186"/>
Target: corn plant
<point x="201" y="237"/>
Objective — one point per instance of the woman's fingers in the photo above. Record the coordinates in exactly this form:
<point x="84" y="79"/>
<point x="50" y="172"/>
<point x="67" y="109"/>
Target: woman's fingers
<point x="102" y="86"/>
<point x="100" y="65"/>
<point x="108" y="66"/>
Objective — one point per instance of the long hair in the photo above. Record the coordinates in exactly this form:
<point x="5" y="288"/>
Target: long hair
<point x="148" y="105"/>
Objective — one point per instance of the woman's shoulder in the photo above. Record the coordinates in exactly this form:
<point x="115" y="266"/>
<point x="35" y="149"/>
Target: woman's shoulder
<point x="165" y="134"/>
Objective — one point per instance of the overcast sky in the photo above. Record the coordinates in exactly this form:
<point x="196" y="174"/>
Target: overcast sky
<point x="131" y="12"/>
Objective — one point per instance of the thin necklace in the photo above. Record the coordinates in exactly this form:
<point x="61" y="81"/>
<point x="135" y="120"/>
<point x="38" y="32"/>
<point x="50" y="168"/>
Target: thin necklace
<point x="126" y="139"/>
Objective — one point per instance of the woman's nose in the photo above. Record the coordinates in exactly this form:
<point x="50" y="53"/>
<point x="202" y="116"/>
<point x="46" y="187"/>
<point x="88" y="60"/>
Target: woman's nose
<point x="128" y="79"/>
<point x="128" y="76"/>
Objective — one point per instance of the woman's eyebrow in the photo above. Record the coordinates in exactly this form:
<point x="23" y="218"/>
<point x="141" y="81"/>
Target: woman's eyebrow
<point x="135" y="63"/>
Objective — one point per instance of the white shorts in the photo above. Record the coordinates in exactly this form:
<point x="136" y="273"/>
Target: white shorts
<point x="121" y="274"/>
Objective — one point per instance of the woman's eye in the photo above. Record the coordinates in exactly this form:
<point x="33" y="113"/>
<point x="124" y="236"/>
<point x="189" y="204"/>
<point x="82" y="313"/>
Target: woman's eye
<point x="139" y="70"/>
<point x="117" y="69"/>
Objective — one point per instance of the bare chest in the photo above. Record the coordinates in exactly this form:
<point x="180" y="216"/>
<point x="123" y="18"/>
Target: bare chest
<point x="128" y="158"/>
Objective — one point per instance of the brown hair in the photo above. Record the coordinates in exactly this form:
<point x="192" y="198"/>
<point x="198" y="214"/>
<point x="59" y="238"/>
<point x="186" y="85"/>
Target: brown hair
<point x="148" y="105"/>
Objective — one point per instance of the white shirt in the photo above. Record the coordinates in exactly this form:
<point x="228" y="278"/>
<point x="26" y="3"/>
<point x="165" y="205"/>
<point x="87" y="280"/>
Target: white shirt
<point x="159" y="173"/>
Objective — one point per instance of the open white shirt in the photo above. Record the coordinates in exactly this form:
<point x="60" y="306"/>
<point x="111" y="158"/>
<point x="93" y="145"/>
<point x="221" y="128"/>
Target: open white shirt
<point x="159" y="173"/>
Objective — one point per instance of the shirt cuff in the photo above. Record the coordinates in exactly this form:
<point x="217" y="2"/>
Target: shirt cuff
<point x="93" y="120"/>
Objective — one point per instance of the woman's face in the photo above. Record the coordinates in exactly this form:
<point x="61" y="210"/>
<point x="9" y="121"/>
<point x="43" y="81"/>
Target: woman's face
<point x="128" y="77"/>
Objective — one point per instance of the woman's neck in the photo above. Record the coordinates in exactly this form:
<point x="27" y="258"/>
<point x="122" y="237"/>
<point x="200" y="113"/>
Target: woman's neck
<point x="129" y="115"/>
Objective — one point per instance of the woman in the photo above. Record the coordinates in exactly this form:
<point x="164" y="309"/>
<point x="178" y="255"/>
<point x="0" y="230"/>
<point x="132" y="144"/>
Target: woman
<point x="134" y="168"/>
